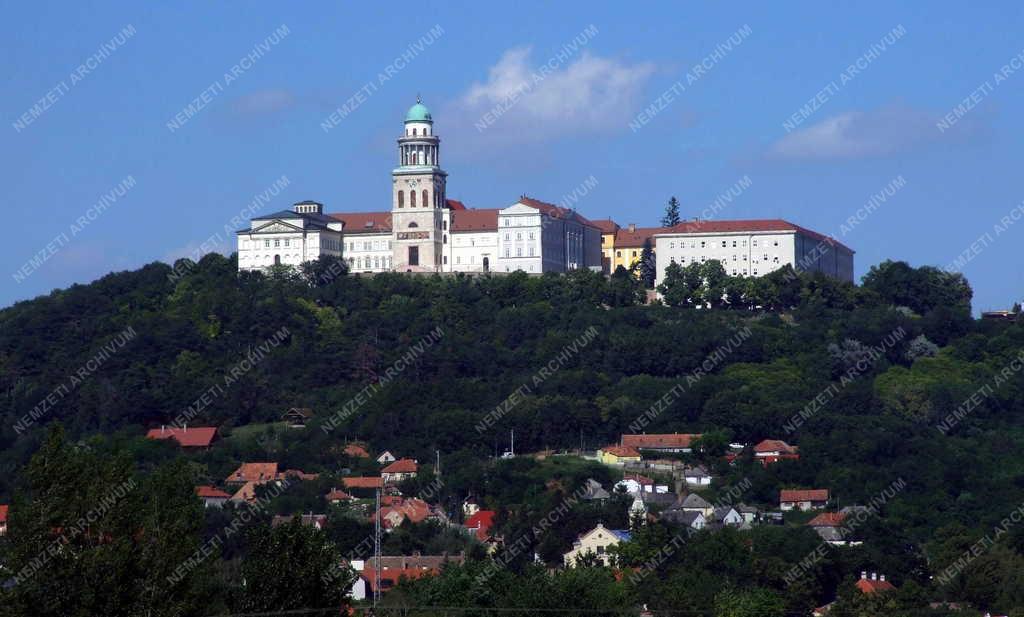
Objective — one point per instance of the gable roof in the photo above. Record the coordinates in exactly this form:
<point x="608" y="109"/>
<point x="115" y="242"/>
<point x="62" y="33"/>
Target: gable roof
<point x="481" y="521"/>
<point x="640" y="479"/>
<point x="356" y="450"/>
<point x="755" y="225"/>
<point x="660" y="440"/>
<point x="622" y="451"/>
<point x="868" y="585"/>
<point x="556" y="212"/>
<point x="363" y="482"/>
<point x="338" y="495"/>
<point x="827" y="519"/>
<point x="302" y="412"/>
<point x="693" y="500"/>
<point x="246" y="493"/>
<point x="814" y="494"/>
<point x="484" y="219"/>
<point x="607" y="226"/>
<point x="402" y="465"/>
<point x="210" y="492"/>
<point x="775" y="445"/>
<point x="635" y="239"/>
<point x="254" y="472"/>
<point x="364" y="222"/>
<point x="195" y="437"/>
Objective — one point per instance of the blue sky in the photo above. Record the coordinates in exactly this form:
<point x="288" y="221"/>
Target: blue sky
<point x="109" y="122"/>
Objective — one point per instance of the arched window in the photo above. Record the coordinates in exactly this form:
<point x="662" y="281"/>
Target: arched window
<point x="425" y="200"/>
<point x="412" y="198"/>
<point x="412" y="224"/>
<point x="277" y="260"/>
<point x="401" y="199"/>
<point x="414" y="132"/>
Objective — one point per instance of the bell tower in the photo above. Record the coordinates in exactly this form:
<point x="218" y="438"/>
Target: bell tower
<point x="418" y="196"/>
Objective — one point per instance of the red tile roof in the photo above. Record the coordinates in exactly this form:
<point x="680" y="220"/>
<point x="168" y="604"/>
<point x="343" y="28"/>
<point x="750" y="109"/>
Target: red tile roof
<point x="254" y="472"/>
<point x="362" y="482"/>
<point x="665" y="440"/>
<point x="643" y="480"/>
<point x="607" y="226"/>
<point x="455" y="204"/>
<point x="356" y="450"/>
<point x="396" y="568"/>
<point x="622" y="451"/>
<point x="775" y="445"/>
<point x="246" y="493"/>
<point x="867" y="585"/>
<point x="485" y="219"/>
<point x="338" y="495"/>
<point x="636" y="238"/>
<point x="828" y="519"/>
<point x="195" y="437"/>
<point x="556" y="212"/>
<point x="814" y="494"/>
<point x="402" y="465"/>
<point x="3" y="513"/>
<point x="414" y="510"/>
<point x="364" y="222"/>
<point x="740" y="226"/>
<point x="211" y="492"/>
<point x="481" y="521"/>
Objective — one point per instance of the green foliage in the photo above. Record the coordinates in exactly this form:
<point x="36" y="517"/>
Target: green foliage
<point x="671" y="217"/>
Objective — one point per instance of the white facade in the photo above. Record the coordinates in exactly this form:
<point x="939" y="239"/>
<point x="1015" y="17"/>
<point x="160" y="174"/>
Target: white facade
<point x="472" y="251"/>
<point x="289" y="238"/>
<point x="368" y="252"/>
<point x="753" y="251"/>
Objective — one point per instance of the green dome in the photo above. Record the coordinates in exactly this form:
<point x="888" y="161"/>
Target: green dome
<point x="418" y="113"/>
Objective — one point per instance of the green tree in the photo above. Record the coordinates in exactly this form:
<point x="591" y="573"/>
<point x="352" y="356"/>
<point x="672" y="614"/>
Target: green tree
<point x="756" y="602"/>
<point x="647" y="267"/>
<point x="284" y="566"/>
<point x="671" y="217"/>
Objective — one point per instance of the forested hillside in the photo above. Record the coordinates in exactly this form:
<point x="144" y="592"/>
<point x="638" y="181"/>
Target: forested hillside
<point x="891" y="380"/>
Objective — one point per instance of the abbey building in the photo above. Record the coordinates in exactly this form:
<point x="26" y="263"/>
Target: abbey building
<point x="424" y="231"/>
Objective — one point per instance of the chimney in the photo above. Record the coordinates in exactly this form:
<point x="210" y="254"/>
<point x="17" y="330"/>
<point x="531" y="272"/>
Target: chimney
<point x="863" y="575"/>
<point x="632" y="227"/>
<point x="184" y="428"/>
<point x="162" y="427"/>
<point x="874" y="576"/>
<point x="881" y="577"/>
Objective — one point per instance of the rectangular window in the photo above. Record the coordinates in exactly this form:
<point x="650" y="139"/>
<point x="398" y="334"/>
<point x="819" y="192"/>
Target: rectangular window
<point x="286" y="242"/>
<point x="733" y="244"/>
<point x="519" y="251"/>
<point x="723" y="243"/>
<point x="508" y="252"/>
<point x="414" y="255"/>
<point x="277" y="243"/>
<point x="531" y="250"/>
<point x="701" y="244"/>
<point x="458" y="260"/>
<point x="266" y="244"/>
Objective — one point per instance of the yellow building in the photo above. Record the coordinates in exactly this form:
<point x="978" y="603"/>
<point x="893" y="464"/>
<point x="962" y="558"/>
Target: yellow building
<point x="623" y="246"/>
<point x="618" y="455"/>
<point x="608" y="228"/>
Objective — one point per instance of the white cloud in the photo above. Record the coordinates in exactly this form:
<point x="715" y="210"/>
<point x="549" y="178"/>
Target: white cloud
<point x="589" y="94"/>
<point x="263" y="102"/>
<point x="860" y="134"/>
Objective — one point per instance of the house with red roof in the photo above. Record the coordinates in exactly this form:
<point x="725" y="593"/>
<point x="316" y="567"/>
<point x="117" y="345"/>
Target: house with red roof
<point x="410" y="567"/>
<point x="364" y="483"/>
<point x="803" y="499"/>
<point x="212" y="497"/>
<point x="661" y="442"/>
<point x="257" y="473"/>
<point x="195" y="437"/>
<point x="618" y="455"/>
<point x="400" y="510"/>
<point x="356" y="450"/>
<point x="480" y="523"/>
<point x="399" y="471"/>
<point x="875" y="583"/>
<point x="4" y="508"/>
<point x="337" y="496"/>
<point x="771" y="451"/>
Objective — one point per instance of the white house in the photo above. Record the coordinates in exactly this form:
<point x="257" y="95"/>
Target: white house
<point x="799" y="499"/>
<point x="597" y="541"/>
<point x="697" y="476"/>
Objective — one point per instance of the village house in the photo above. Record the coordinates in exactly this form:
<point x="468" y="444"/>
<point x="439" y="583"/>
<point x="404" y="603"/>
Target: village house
<point x="597" y="541"/>
<point x="386" y="457"/>
<point x="803" y="499"/>
<point x="297" y="417"/>
<point x="195" y="437"/>
<point x="676" y="515"/>
<point x="356" y="450"/>
<point x="618" y="455"/>
<point x="3" y="519"/>
<point x="211" y="496"/>
<point x="697" y="476"/>
<point x="246" y="494"/>
<point x="399" y="471"/>
<point x="253" y="472"/>
<point x="727" y="516"/>
<point x="368" y="483"/>
<point x="665" y="442"/>
<point x="394" y="569"/>
<point x="695" y="503"/>
<point x="635" y="483"/>
<point x="337" y="497"/>
<point x="479" y="524"/>
<point x="773" y="450"/>
<point x="398" y="510"/>
<point x="874" y="584"/>
<point x="593" y="491"/>
<point x="829" y="527"/>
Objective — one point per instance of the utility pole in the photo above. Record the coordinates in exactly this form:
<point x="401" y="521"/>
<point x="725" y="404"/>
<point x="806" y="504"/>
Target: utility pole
<point x="437" y="466"/>
<point x="512" y="449"/>
<point x="376" y="553"/>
